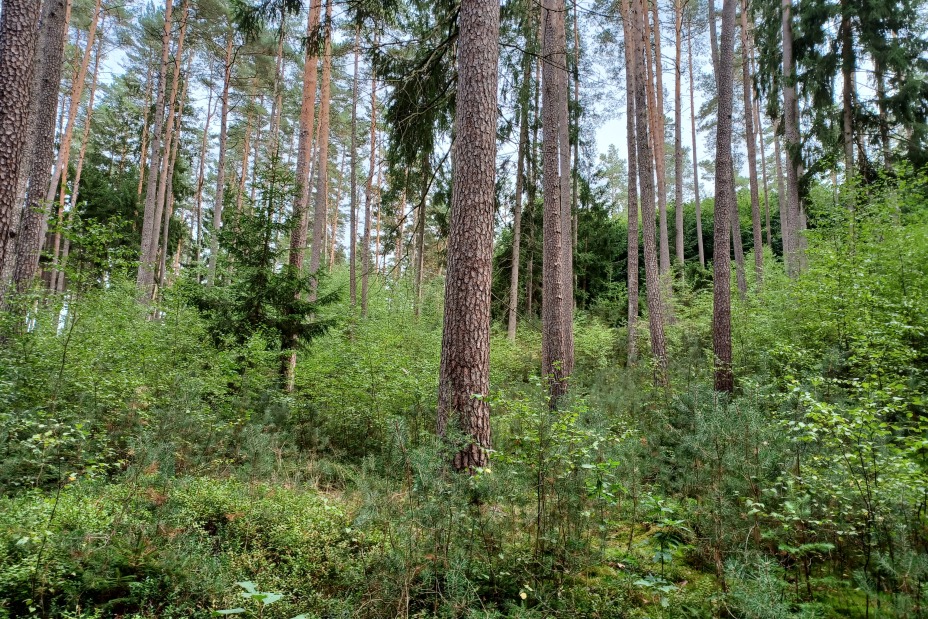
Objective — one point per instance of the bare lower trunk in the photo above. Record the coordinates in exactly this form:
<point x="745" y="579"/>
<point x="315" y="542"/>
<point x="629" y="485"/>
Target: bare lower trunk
<point x="322" y="165"/>
<point x="631" y="131"/>
<point x="221" y="163"/>
<point x="725" y="205"/>
<point x="201" y="174"/>
<point x="353" y="229"/>
<point x="678" y="130"/>
<point x="368" y="202"/>
<point x="517" y="206"/>
<point x="750" y="138"/>
<point x="791" y="134"/>
<point x="149" y="224"/>
<point x="46" y="83"/>
<point x="465" y="352"/>
<point x="646" y="185"/>
<point x="692" y="80"/>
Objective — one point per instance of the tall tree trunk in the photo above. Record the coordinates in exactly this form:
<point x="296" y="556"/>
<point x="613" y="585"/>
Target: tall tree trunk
<point x="791" y="134"/>
<point x="172" y="163"/>
<point x="736" y="242"/>
<point x="465" y="352"/>
<point x="322" y="165"/>
<point x="847" y="94"/>
<point x="419" y="232"/>
<point x="377" y="256"/>
<point x="631" y="53"/>
<point x="725" y="205"/>
<point x="517" y="206"/>
<point x="150" y="256"/>
<point x="747" y="82"/>
<point x="149" y="224"/>
<point x="763" y="149"/>
<point x="143" y="147"/>
<point x="64" y="151"/>
<point x="879" y="76"/>
<point x="678" y="129"/>
<point x="353" y="230"/>
<point x="368" y="201"/>
<point x="273" y="144"/>
<point x="556" y="300"/>
<point x="645" y="160"/>
<point x="19" y="31"/>
<point x="201" y="172"/>
<point x="221" y="161"/>
<point x="781" y="194"/>
<point x="689" y="54"/>
<point x="657" y="139"/>
<point x="333" y="235"/>
<point x="713" y="40"/>
<point x="37" y="171"/>
<point x="82" y="153"/>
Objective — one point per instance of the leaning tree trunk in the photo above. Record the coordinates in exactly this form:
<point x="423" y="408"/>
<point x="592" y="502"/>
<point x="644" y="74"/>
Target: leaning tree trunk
<point x="19" y="30"/>
<point x="46" y="83"/>
<point x="556" y="305"/>
<point x="464" y="373"/>
<point x="646" y="185"/>
<point x="631" y="131"/>
<point x="751" y="146"/>
<point x="725" y="205"/>
<point x="692" y="79"/>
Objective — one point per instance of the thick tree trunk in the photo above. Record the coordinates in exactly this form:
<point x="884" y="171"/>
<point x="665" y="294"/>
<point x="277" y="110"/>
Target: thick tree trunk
<point x="645" y="161"/>
<point x="368" y="202"/>
<point x="556" y="302"/>
<point x="465" y="353"/>
<point x="143" y="147"/>
<point x="725" y="205"/>
<point x="19" y="31"/>
<point x="322" y="164"/>
<point x="696" y="198"/>
<point x="791" y="134"/>
<point x="221" y="162"/>
<point x="162" y="253"/>
<point x="149" y="224"/>
<point x="631" y="131"/>
<point x="658" y="141"/>
<point x="678" y="130"/>
<point x="747" y="83"/>
<point x="37" y="172"/>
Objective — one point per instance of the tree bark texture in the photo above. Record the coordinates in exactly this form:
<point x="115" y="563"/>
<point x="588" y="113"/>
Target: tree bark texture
<point x="464" y="374"/>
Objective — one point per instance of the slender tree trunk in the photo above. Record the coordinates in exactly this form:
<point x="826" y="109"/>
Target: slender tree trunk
<point x="879" y="76"/>
<point x="377" y="256"/>
<point x="82" y="153"/>
<point x="201" y="172"/>
<point x="724" y="207"/>
<point x="353" y="233"/>
<point x="322" y="165"/>
<point x="221" y="161"/>
<point x="64" y="151"/>
<point x="149" y="224"/>
<point x="557" y="304"/>
<point x="847" y="95"/>
<point x="465" y="353"/>
<point x="143" y="147"/>
<point x="368" y="201"/>
<point x="747" y="82"/>
<point x="419" y="232"/>
<point x="713" y="40"/>
<point x="517" y="206"/>
<point x="656" y="102"/>
<point x="273" y="144"/>
<point x="678" y="129"/>
<point x="736" y="242"/>
<point x="41" y="131"/>
<point x="763" y="151"/>
<point x="333" y="235"/>
<point x="172" y="163"/>
<point x="631" y="53"/>
<point x="150" y="256"/>
<point x="781" y="194"/>
<point x="689" y="54"/>
<point x="645" y="161"/>
<point x="19" y="32"/>
<point x="791" y="134"/>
